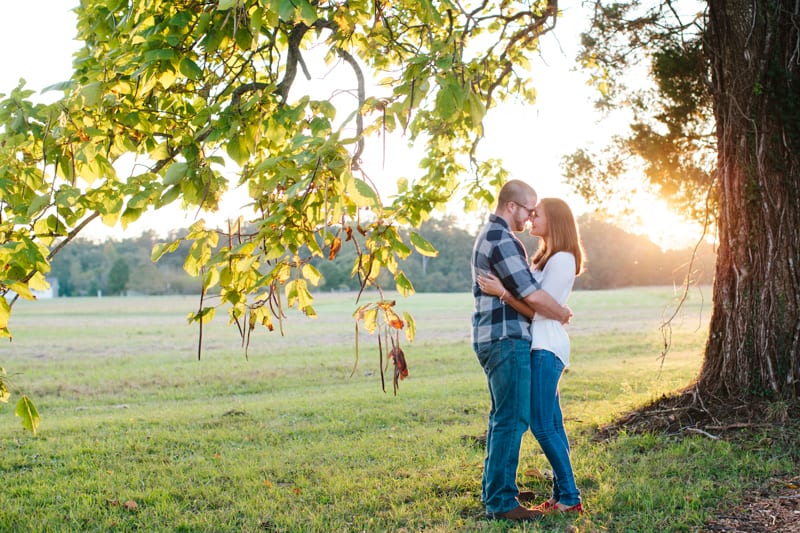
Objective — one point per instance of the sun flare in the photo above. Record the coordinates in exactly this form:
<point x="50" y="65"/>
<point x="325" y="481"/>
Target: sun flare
<point x="652" y="217"/>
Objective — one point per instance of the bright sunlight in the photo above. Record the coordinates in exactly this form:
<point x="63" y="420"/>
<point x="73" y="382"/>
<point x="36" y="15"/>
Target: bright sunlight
<point x="652" y="217"/>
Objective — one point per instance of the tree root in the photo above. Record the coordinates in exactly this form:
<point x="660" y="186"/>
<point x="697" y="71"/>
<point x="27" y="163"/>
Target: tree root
<point x="688" y="411"/>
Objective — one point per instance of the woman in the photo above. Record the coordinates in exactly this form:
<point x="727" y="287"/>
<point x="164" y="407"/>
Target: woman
<point x="556" y="264"/>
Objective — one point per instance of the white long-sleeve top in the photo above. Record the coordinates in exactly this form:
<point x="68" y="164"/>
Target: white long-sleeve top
<point x="557" y="279"/>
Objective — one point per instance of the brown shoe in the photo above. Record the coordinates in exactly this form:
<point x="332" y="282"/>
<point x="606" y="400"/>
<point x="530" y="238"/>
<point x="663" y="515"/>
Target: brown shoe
<point x="517" y="514"/>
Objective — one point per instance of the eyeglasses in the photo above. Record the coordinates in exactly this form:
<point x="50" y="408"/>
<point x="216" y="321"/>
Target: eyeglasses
<point x="531" y="211"/>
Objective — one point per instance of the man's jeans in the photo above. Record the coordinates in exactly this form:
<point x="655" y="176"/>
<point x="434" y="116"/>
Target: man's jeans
<point x="547" y="423"/>
<point x="507" y="364"/>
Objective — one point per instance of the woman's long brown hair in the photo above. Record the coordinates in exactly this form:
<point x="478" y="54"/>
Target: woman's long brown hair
<point x="562" y="234"/>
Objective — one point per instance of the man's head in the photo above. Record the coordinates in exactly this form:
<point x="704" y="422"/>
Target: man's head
<point x="516" y="204"/>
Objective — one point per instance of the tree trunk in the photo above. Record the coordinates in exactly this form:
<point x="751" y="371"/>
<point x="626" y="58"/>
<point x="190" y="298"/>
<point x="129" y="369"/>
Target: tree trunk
<point x="753" y="349"/>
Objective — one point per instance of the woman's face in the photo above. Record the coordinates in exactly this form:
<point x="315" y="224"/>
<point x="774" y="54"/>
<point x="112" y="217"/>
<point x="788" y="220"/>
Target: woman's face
<point x="522" y="213"/>
<point x="539" y="222"/>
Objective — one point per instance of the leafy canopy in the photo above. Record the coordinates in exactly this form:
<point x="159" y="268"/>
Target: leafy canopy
<point x="178" y="100"/>
<point x="177" y="93"/>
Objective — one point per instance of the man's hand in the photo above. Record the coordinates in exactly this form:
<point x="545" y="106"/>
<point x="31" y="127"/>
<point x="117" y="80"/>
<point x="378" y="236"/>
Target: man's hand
<point x="567" y="315"/>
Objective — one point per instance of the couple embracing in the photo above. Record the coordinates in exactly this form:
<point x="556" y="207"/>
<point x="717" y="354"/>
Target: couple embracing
<point x="519" y="338"/>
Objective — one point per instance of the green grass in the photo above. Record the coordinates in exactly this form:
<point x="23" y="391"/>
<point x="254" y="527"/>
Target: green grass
<point x="287" y="440"/>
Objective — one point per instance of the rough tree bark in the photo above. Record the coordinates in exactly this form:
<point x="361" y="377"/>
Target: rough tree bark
<point x="753" y="349"/>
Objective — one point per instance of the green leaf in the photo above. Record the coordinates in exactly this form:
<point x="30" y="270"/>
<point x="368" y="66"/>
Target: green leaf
<point x="190" y="69"/>
<point x="476" y="109"/>
<point x="281" y="272"/>
<point x="91" y="93"/>
<point x="244" y="263"/>
<point x="169" y="196"/>
<point x="237" y="150"/>
<point x="48" y="228"/>
<point x="159" y="151"/>
<point x="60" y="86"/>
<point x="307" y="12"/>
<point x="286" y="9"/>
<point x="311" y="274"/>
<point x="370" y="317"/>
<point x="261" y="315"/>
<point x="166" y="54"/>
<point x="403" y="284"/>
<point x="5" y="393"/>
<point x="38" y="203"/>
<point x="197" y="257"/>
<point x="27" y="411"/>
<point x="256" y="20"/>
<point x="423" y="246"/>
<point x="22" y="290"/>
<point x="243" y="38"/>
<point x="411" y="326"/>
<point x="450" y="99"/>
<point x="38" y="282"/>
<point x="181" y="19"/>
<point x="361" y="193"/>
<point x="175" y="173"/>
<point x="205" y="315"/>
<point x="110" y="219"/>
<point x="304" y="297"/>
<point x="429" y="12"/>
<point x="5" y="312"/>
<point x="130" y="215"/>
<point x="211" y="278"/>
<point x="164" y="248"/>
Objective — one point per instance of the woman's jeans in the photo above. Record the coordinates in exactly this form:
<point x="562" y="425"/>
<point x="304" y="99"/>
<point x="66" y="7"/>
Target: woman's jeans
<point x="507" y="364"/>
<point x="547" y="423"/>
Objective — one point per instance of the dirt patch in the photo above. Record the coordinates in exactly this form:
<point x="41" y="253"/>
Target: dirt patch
<point x="775" y="506"/>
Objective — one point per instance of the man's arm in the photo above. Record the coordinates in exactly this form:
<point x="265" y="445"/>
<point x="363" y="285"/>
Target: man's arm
<point x="538" y="301"/>
<point x="544" y="304"/>
<point x="508" y="261"/>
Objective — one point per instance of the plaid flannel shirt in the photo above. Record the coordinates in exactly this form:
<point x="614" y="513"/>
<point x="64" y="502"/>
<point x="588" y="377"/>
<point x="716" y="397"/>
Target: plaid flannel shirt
<point x="498" y="250"/>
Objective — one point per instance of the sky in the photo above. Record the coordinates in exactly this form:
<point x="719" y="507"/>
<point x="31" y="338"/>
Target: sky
<point x="37" y="37"/>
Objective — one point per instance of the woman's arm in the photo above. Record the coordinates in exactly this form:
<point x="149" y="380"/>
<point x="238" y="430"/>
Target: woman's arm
<point x="492" y="286"/>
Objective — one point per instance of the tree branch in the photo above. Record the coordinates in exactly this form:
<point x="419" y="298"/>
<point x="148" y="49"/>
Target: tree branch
<point x="292" y="58"/>
<point x="349" y="59"/>
<point x="236" y="94"/>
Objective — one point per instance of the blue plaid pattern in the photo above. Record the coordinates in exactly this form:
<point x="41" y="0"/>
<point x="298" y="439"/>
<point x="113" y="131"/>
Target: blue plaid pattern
<point x="498" y="250"/>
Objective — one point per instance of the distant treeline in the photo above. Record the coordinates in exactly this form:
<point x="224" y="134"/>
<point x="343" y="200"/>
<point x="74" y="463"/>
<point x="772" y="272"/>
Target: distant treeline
<point x="615" y="259"/>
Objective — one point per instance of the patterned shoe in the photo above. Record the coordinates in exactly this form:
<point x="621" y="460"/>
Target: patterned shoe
<point x="556" y="508"/>
<point x="547" y="507"/>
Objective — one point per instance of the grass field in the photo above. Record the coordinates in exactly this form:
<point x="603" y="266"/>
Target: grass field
<point x="137" y="434"/>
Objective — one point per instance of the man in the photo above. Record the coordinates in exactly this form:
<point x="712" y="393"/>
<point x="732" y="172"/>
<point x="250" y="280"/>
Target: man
<point x="502" y="341"/>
